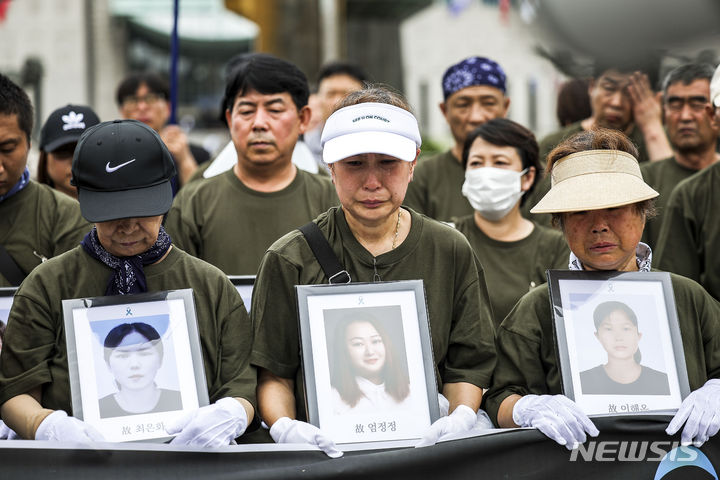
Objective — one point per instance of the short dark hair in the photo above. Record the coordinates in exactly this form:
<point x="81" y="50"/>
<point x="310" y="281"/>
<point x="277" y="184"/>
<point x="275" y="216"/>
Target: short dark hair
<point x="687" y="74"/>
<point x="14" y="101"/>
<point x="573" y="102"/>
<point x="649" y="64"/>
<point x="341" y="68"/>
<point x="266" y="74"/>
<point x="155" y="82"/>
<point x="506" y="133"/>
<point x="603" y="310"/>
<point x="118" y="333"/>
<point x="597" y="138"/>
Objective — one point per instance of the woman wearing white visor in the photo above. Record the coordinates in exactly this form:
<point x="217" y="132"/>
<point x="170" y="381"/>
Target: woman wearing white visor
<point x="371" y="144"/>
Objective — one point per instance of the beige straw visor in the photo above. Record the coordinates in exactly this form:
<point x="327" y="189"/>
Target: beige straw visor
<point x="593" y="180"/>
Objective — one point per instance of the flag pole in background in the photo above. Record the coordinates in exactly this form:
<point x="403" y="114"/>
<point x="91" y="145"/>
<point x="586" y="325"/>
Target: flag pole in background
<point x="174" y="52"/>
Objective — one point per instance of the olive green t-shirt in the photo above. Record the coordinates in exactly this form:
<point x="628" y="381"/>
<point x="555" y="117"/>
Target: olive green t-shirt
<point x="690" y="232"/>
<point x="39" y="222"/>
<point x="457" y="301"/>
<point x="514" y="268"/>
<point x="225" y="223"/>
<point x="34" y="352"/>
<point x="527" y="362"/>
<point x="436" y="188"/>
<point x="546" y="145"/>
<point x="662" y="176"/>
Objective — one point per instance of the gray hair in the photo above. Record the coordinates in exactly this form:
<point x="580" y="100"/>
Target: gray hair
<point x="687" y="74"/>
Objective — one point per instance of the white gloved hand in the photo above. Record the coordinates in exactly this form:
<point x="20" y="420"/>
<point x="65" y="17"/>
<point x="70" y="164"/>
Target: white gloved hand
<point x="58" y="427"/>
<point x="700" y="412"/>
<point x="556" y="416"/>
<point x="285" y="430"/>
<point x="444" y="405"/>
<point x="462" y="419"/>
<point x="6" y="433"/>
<point x="211" y="426"/>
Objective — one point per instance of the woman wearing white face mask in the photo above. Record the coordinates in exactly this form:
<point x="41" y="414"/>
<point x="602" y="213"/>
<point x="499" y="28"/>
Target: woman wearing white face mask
<point x="501" y="165"/>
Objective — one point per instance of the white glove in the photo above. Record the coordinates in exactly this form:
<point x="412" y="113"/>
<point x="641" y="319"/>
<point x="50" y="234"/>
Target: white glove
<point x="211" y="426"/>
<point x="58" y="427"/>
<point x="6" y="433"/>
<point x="556" y="416"/>
<point x="285" y="430"/>
<point x="462" y="419"/>
<point x="444" y="404"/>
<point x="700" y="412"/>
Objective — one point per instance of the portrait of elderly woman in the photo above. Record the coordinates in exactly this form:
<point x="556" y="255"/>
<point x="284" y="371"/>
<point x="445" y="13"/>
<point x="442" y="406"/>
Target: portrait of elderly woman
<point x="616" y="328"/>
<point x="368" y="367"/>
<point x="600" y="202"/>
<point x="134" y="353"/>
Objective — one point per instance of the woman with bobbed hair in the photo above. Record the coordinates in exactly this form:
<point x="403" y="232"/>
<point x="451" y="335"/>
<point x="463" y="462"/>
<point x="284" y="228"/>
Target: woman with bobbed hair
<point x="601" y="203"/>
<point x="501" y="169"/>
<point x="368" y="373"/>
<point x="134" y="353"/>
<point x="616" y="328"/>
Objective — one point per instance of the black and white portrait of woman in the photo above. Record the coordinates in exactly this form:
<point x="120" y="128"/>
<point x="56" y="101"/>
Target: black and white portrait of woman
<point x="133" y="353"/>
<point x="368" y="365"/>
<point x="616" y="329"/>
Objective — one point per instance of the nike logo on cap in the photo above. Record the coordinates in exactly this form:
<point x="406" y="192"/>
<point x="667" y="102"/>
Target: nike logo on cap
<point x="110" y="169"/>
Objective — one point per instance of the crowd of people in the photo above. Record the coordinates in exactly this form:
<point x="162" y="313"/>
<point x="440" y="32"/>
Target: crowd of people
<point x="129" y="206"/>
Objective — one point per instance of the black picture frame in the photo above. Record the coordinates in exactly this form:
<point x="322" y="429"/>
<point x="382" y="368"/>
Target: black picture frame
<point x="605" y="301"/>
<point x="395" y="313"/>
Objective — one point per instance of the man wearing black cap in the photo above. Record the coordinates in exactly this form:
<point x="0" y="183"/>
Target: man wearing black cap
<point x="123" y="170"/>
<point x="58" y="138"/>
<point x="231" y="219"/>
<point x="36" y="222"/>
<point x="473" y="92"/>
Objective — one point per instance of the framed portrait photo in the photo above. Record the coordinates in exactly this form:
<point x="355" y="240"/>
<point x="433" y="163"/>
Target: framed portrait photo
<point x="618" y="341"/>
<point x="134" y="362"/>
<point x="244" y="285"/>
<point x="367" y="360"/>
<point x="6" y="299"/>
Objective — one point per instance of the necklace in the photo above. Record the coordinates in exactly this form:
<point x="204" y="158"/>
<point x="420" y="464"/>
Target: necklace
<point x="397" y="230"/>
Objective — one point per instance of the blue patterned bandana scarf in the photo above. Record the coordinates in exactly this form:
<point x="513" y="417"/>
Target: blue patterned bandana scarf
<point x="643" y="256"/>
<point x="129" y="276"/>
<point x="470" y="72"/>
<point x="22" y="183"/>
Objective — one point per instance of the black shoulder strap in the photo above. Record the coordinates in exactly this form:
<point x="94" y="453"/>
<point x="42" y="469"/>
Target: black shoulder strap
<point x="324" y="254"/>
<point x="10" y="269"/>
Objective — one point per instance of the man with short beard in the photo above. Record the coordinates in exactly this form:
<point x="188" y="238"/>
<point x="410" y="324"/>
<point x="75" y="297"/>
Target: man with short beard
<point x="686" y="93"/>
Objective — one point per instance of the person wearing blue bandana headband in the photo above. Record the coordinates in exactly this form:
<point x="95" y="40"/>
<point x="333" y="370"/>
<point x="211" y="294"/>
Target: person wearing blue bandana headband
<point x="501" y="164"/>
<point x="123" y="173"/>
<point x="473" y="93"/>
<point x="36" y="222"/>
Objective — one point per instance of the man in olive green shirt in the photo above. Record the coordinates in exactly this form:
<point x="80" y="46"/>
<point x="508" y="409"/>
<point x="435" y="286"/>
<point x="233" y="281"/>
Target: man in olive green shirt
<point x="474" y="92"/>
<point x="690" y="230"/>
<point x="36" y="221"/>
<point x="231" y="219"/>
<point x="622" y="99"/>
<point x="686" y="92"/>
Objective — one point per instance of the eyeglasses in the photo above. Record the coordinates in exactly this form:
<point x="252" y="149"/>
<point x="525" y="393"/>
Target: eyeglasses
<point x="132" y="101"/>
<point x="676" y="104"/>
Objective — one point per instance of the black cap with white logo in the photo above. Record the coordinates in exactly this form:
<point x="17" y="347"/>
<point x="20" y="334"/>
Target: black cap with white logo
<point x="122" y="169"/>
<point x="65" y="125"/>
